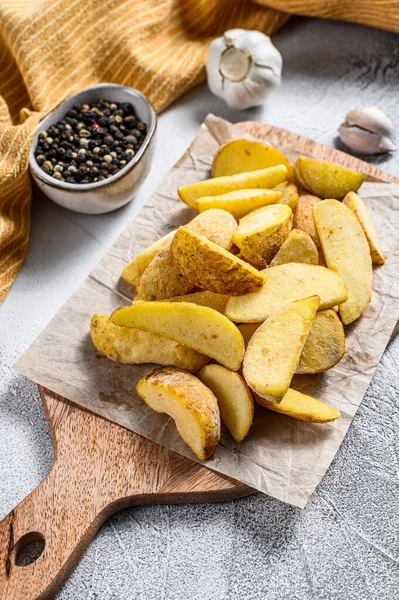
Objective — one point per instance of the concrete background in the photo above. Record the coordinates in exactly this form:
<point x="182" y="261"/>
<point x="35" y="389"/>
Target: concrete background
<point x="345" y="544"/>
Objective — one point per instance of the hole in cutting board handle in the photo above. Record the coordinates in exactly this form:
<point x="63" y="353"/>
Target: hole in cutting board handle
<point x="28" y="549"/>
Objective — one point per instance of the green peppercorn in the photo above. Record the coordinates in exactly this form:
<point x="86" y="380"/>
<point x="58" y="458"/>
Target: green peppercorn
<point x="74" y="154"/>
<point x="42" y="135"/>
<point x="58" y="168"/>
<point x="89" y="163"/>
<point x="72" y="169"/>
<point x="82" y="151"/>
<point x="84" y="133"/>
<point x="113" y="154"/>
<point x="67" y="126"/>
<point x="49" y="140"/>
<point x="84" y="143"/>
<point x="47" y="167"/>
<point x="57" y="175"/>
<point x="40" y="159"/>
<point x="113" y="106"/>
<point x="96" y="150"/>
<point x="129" y="152"/>
<point x="80" y="126"/>
<point x="122" y="162"/>
<point x="118" y="119"/>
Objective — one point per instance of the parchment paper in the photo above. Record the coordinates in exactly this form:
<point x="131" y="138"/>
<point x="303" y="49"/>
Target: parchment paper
<point x="280" y="457"/>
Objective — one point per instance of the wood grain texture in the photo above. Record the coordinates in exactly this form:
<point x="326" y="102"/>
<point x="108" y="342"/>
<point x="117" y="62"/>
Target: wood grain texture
<point x="100" y="468"/>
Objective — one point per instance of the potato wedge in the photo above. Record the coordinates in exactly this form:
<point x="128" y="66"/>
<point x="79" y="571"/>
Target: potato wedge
<point x="204" y="298"/>
<point x="235" y="401"/>
<point x="241" y="155"/>
<point x="289" y="194"/>
<point x="261" y="233"/>
<point x="240" y="202"/>
<point x="134" y="270"/>
<point x="189" y="402"/>
<point x="274" y="349"/>
<point x="347" y="252"/>
<point x="162" y="278"/>
<point x="325" y="179"/>
<point x="324" y="346"/>
<point x="212" y="268"/>
<point x="198" y="327"/>
<point x="286" y="283"/>
<point x="134" y="346"/>
<point x="303" y="217"/>
<point x="297" y="248"/>
<point x="358" y="207"/>
<point x="264" y="178"/>
<point x="216" y="225"/>
<point x="301" y="407"/>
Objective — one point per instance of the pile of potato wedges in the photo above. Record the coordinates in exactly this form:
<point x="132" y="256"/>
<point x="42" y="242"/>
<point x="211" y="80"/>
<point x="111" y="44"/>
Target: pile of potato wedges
<point x="255" y="289"/>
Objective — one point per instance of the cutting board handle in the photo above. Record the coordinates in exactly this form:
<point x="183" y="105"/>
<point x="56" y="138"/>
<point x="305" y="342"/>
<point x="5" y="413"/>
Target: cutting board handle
<point x="99" y="468"/>
<point x="54" y="525"/>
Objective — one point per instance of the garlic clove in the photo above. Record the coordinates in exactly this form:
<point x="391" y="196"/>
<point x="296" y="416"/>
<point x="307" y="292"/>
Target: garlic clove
<point x="232" y="36"/>
<point x="244" y="95"/>
<point x="372" y="119"/>
<point x="258" y="76"/>
<point x="368" y="130"/>
<point x="215" y="80"/>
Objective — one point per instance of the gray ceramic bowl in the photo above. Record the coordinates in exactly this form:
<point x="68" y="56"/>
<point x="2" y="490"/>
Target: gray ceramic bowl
<point x="112" y="193"/>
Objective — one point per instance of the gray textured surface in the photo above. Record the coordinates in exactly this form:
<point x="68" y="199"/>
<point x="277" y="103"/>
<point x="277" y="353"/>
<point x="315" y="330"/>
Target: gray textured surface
<point x="345" y="544"/>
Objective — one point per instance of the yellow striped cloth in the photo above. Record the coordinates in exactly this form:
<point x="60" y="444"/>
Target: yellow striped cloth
<point x="52" y="48"/>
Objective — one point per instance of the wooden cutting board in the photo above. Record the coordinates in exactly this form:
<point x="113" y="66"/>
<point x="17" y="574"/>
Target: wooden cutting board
<point x="100" y="468"/>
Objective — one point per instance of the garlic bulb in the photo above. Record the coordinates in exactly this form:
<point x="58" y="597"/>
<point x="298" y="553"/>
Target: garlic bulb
<point x="243" y="67"/>
<point x="368" y="130"/>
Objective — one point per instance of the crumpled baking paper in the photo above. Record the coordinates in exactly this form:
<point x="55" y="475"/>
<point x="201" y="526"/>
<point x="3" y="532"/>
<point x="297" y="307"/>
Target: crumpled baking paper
<point x="281" y="457"/>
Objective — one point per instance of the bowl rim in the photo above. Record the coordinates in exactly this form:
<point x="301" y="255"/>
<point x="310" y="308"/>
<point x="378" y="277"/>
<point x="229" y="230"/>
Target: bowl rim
<point x="89" y="187"/>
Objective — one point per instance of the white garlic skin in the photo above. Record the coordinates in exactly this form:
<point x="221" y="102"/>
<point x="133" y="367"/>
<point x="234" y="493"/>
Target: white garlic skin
<point x="368" y="130"/>
<point x="243" y="67"/>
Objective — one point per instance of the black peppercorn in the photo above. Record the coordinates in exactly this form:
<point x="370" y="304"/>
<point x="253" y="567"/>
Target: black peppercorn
<point x="91" y="143"/>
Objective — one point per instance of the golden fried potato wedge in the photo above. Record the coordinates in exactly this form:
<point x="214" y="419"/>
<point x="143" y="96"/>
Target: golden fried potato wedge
<point x="298" y="247"/>
<point x="216" y="225"/>
<point x="301" y="407"/>
<point x="264" y="178"/>
<point x="241" y="155"/>
<point x="324" y="346"/>
<point x="134" y="270"/>
<point x="260" y="233"/>
<point x="325" y="179"/>
<point x="198" y="327"/>
<point x="204" y="298"/>
<point x="240" y="202"/>
<point x="286" y="283"/>
<point x="235" y="401"/>
<point x="273" y="351"/>
<point x="162" y="278"/>
<point x="212" y="268"/>
<point x="358" y="207"/>
<point x="134" y="346"/>
<point x="347" y="252"/>
<point x="189" y="402"/>
<point x="303" y="217"/>
<point x="289" y="193"/>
